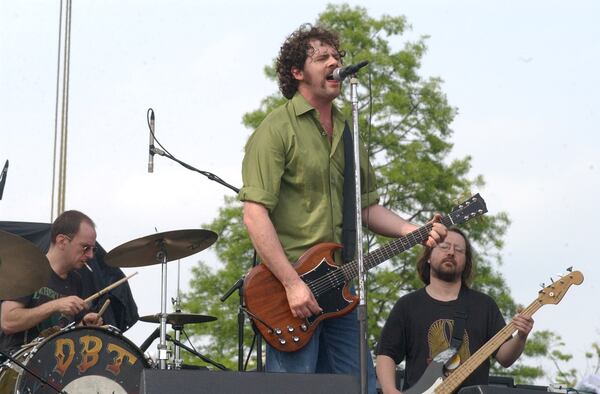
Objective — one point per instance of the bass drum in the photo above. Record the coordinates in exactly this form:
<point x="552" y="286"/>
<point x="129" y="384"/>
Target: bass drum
<point x="77" y="360"/>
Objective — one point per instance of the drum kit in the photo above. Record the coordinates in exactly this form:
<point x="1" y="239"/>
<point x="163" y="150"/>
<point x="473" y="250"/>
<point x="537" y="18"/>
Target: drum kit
<point x="95" y="359"/>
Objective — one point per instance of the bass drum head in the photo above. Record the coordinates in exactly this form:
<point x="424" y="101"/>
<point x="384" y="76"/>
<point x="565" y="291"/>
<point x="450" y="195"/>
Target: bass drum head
<point x="94" y="384"/>
<point x="84" y="360"/>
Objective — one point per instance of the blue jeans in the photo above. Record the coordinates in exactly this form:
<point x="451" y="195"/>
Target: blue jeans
<point x="332" y="349"/>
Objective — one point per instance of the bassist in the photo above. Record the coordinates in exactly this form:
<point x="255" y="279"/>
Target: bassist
<point x="421" y="323"/>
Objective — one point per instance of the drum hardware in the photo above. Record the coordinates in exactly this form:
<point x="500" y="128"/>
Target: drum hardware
<point x="43" y="381"/>
<point x="215" y="178"/>
<point x="197" y="354"/>
<point x="179" y="318"/>
<point x="175" y="244"/>
<point x="46" y="333"/>
<point x="177" y="360"/>
<point x="23" y="267"/>
<point x="111" y="329"/>
<point x="177" y="321"/>
<point x="77" y="360"/>
<point x="161" y="248"/>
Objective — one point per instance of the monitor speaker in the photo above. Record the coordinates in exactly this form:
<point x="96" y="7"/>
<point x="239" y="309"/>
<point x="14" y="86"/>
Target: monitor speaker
<point x="154" y="381"/>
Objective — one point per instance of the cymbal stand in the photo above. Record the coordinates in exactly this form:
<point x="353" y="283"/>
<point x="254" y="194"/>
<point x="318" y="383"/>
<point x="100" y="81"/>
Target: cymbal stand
<point x="177" y="360"/>
<point x="199" y="355"/>
<point x="215" y="178"/>
<point x="163" y="354"/>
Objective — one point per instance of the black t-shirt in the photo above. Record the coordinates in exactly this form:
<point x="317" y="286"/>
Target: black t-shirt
<point x="56" y="288"/>
<point x="419" y="327"/>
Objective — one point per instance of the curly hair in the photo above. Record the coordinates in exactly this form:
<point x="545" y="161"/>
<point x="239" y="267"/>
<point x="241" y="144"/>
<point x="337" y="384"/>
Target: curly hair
<point x="294" y="51"/>
<point x="424" y="269"/>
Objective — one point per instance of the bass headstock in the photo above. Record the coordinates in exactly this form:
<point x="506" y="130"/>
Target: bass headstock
<point x="553" y="293"/>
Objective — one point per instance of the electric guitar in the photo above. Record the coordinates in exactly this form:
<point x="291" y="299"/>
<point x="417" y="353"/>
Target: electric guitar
<point x="434" y="380"/>
<point x="265" y="296"/>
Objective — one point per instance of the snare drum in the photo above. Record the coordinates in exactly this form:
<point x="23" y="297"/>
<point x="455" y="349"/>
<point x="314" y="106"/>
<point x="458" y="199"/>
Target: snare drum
<point x="77" y="360"/>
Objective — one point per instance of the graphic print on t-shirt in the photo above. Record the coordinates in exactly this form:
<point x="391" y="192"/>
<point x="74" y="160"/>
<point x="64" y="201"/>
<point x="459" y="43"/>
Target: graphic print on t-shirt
<point x="439" y="337"/>
<point x="43" y="295"/>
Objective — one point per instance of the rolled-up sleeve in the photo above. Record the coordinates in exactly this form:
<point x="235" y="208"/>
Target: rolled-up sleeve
<point x="262" y="168"/>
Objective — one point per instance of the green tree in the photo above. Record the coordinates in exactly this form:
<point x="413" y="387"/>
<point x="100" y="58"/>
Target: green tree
<point x="548" y="346"/>
<point x="405" y="121"/>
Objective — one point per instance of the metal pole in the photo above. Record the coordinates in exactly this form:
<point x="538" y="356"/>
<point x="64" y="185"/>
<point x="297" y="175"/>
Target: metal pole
<point x="61" y="112"/>
<point x="362" y="303"/>
<point x="162" y="346"/>
<point x="177" y="360"/>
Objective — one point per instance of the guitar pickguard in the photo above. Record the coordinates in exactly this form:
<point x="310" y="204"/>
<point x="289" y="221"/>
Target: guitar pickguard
<point x="332" y="300"/>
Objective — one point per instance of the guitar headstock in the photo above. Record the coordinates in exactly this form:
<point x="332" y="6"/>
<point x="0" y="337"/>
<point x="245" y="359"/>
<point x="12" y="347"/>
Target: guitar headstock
<point x="554" y="293"/>
<point x="472" y="207"/>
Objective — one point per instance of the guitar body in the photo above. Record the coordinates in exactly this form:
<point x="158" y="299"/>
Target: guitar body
<point x="432" y="377"/>
<point x="266" y="299"/>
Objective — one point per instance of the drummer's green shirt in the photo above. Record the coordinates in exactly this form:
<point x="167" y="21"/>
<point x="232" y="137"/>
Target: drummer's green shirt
<point x="292" y="169"/>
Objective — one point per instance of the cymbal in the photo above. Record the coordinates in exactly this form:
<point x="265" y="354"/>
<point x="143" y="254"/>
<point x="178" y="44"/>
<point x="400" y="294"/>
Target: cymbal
<point x="176" y="244"/>
<point x="179" y="319"/>
<point x="23" y="267"/>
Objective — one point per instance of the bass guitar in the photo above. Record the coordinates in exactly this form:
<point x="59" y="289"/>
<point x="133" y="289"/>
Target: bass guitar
<point x="265" y="296"/>
<point x="434" y="380"/>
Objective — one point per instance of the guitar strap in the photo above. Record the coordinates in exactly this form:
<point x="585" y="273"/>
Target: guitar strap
<point x="349" y="204"/>
<point x="460" y="317"/>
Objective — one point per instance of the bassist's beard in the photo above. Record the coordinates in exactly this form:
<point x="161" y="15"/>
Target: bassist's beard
<point x="445" y="273"/>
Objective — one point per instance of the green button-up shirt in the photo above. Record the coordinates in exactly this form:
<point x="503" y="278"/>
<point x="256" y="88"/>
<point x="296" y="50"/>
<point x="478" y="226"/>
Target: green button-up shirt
<point x="292" y="169"/>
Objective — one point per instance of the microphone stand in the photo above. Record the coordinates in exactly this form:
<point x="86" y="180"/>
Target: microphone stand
<point x="362" y="303"/>
<point x="209" y="175"/>
<point x="239" y="284"/>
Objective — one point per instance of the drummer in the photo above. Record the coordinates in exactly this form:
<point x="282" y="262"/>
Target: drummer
<point x="72" y="244"/>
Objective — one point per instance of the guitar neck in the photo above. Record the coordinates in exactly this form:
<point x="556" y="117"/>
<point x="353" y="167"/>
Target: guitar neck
<point x="471" y="208"/>
<point x="456" y="378"/>
<point x="392" y="249"/>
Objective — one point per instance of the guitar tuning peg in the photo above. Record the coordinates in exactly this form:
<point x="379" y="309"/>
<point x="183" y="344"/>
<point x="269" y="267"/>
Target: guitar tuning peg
<point x="552" y="280"/>
<point x="542" y="285"/>
<point x="570" y="269"/>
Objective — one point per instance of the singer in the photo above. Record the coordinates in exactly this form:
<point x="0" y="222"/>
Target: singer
<point x="293" y="175"/>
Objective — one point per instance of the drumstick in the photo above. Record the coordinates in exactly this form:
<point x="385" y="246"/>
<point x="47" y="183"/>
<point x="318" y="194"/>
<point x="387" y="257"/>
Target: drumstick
<point x="104" y="307"/>
<point x="108" y="288"/>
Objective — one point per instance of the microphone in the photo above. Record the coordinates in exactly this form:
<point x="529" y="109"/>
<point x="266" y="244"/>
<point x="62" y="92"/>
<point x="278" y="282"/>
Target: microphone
<point x="151" y="144"/>
<point x="340" y="73"/>
<point x="3" y="178"/>
<point x="155" y="334"/>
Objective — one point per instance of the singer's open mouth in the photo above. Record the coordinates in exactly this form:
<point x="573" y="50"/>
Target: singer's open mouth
<point x="329" y="77"/>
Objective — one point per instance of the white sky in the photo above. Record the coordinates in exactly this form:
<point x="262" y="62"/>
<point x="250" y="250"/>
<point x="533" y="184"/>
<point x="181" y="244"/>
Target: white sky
<point x="524" y="76"/>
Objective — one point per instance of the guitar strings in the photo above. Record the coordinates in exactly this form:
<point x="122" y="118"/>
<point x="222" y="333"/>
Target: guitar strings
<point x="346" y="272"/>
